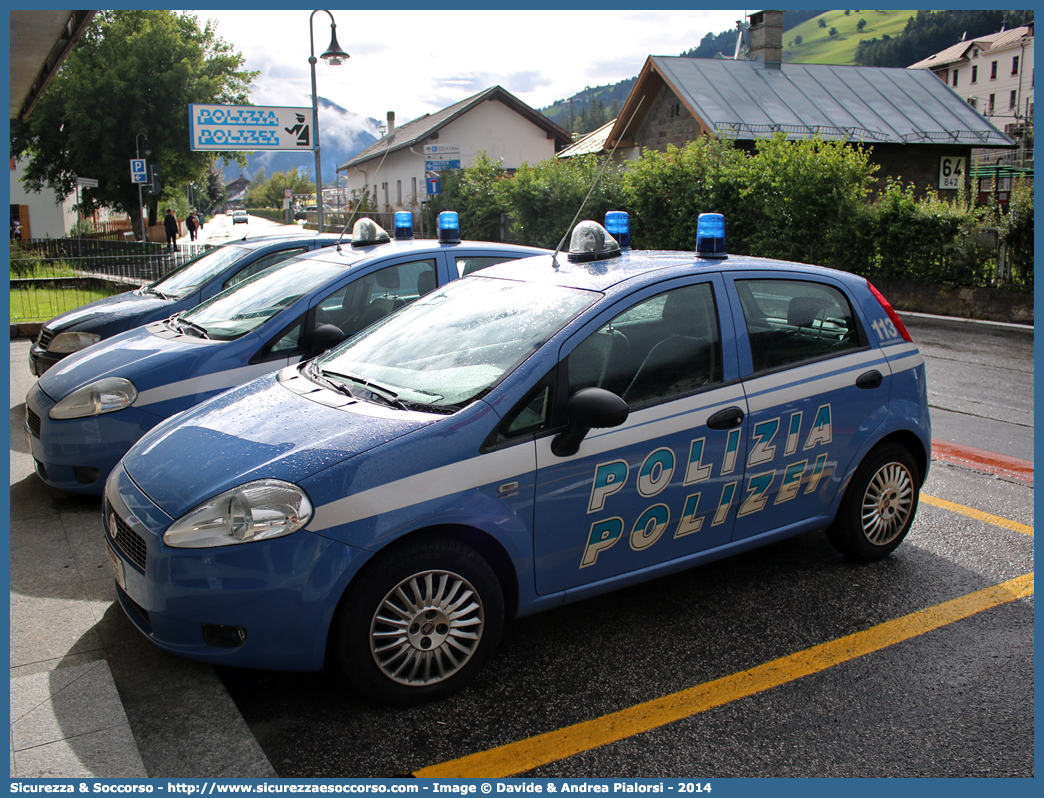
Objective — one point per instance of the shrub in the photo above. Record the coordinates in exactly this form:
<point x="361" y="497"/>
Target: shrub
<point x="667" y="191"/>
<point x="475" y="193"/>
<point x="544" y="199"/>
<point x="804" y="199"/>
<point x="1017" y="232"/>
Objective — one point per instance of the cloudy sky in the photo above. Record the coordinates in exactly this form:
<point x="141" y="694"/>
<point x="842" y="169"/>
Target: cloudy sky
<point x="415" y="61"/>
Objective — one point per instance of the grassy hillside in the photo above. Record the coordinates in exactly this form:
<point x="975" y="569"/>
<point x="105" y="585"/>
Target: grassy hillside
<point x="819" y="47"/>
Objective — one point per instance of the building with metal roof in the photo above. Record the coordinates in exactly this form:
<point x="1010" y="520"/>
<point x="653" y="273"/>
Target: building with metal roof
<point x="402" y="168"/>
<point x="918" y="127"/>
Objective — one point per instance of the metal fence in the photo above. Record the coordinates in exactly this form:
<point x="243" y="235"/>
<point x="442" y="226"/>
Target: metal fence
<point x="51" y="276"/>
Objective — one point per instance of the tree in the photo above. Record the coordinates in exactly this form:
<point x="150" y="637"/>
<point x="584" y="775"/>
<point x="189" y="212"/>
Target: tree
<point x="822" y="23"/>
<point x="133" y="72"/>
<point x="270" y="193"/>
<point x="214" y="190"/>
<point x="860" y="25"/>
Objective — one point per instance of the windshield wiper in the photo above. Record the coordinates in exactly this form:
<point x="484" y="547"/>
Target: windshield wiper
<point x="199" y="329"/>
<point x="385" y="394"/>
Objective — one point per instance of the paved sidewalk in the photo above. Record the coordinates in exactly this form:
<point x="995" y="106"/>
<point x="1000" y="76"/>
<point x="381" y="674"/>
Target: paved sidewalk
<point x="91" y="697"/>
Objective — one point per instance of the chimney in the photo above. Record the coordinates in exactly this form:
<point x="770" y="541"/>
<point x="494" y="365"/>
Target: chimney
<point x="766" y="37"/>
<point x="391" y="123"/>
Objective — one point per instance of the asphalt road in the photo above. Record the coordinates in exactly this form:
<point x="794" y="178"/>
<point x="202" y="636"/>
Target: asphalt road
<point x="727" y="646"/>
<point x="980" y="382"/>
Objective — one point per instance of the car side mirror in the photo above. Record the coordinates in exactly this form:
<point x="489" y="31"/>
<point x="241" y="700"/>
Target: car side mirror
<point x="323" y="338"/>
<point x="587" y="409"/>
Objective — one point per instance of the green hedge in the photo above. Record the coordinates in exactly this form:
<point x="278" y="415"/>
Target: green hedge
<point x="809" y="201"/>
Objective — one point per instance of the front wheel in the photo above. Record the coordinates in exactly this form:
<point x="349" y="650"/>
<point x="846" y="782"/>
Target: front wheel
<point x="419" y="621"/>
<point x="879" y="505"/>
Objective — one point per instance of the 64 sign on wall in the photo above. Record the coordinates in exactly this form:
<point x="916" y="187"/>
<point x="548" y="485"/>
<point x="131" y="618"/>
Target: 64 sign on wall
<point x="951" y="172"/>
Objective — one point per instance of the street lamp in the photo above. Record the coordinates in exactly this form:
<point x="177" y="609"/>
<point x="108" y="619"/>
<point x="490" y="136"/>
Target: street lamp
<point x="334" y="56"/>
<point x="141" y="205"/>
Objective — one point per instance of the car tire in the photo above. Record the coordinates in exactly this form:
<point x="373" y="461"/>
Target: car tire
<point x="418" y="621"/>
<point x="879" y="505"/>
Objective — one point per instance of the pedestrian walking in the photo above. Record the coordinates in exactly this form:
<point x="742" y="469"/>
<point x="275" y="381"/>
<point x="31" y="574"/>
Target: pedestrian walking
<point x="192" y="226"/>
<point x="170" y="224"/>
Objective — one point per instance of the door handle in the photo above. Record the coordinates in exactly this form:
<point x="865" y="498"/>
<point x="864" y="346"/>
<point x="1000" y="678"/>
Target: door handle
<point x="726" y="419"/>
<point x="870" y="380"/>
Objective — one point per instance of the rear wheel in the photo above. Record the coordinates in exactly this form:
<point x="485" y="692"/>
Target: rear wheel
<point x="879" y="505"/>
<point x="419" y="621"/>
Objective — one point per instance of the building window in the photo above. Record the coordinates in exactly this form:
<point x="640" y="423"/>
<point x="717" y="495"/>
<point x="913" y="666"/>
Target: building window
<point x="398" y="192"/>
<point x="993" y="97"/>
<point x="955" y="78"/>
<point x="1011" y="101"/>
<point x="975" y="74"/>
<point x="1015" y="65"/>
<point x="993" y="70"/>
<point x="414" y="187"/>
<point x="385" y="187"/>
<point x="973" y="102"/>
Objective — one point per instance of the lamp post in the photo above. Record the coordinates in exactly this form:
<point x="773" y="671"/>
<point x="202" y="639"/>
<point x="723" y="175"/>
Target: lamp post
<point x="141" y="205"/>
<point x="334" y="56"/>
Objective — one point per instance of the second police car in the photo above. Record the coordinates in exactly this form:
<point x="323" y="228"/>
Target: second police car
<point x="84" y="413"/>
<point x="184" y="288"/>
<point x="540" y="432"/>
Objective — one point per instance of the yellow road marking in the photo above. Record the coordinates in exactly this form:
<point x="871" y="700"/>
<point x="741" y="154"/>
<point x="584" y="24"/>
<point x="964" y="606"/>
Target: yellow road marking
<point x="524" y="755"/>
<point x="996" y="520"/>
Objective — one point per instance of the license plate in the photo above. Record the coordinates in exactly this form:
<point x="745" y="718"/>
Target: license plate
<point x="116" y="566"/>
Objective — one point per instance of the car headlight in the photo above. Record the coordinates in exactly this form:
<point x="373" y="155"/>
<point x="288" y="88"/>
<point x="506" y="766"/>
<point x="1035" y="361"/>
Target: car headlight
<point x="67" y="342"/>
<point x="104" y="396"/>
<point x="268" y="508"/>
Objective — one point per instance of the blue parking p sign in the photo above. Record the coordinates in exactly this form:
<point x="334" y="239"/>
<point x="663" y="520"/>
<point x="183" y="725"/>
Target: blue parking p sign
<point x="138" y="171"/>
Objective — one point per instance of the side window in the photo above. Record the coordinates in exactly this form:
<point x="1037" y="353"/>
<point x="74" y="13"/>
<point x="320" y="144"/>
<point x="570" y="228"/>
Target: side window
<point x="529" y="417"/>
<point x="789" y="321"/>
<point x="261" y="264"/>
<point x="373" y="296"/>
<point x="468" y="264"/>
<point x="664" y="347"/>
<point x="289" y="340"/>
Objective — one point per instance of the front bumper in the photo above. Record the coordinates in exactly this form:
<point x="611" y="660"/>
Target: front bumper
<point x="76" y="455"/>
<point x="40" y="359"/>
<point x="281" y="593"/>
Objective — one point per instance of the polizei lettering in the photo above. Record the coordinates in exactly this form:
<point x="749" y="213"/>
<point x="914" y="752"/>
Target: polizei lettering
<point x="767" y="484"/>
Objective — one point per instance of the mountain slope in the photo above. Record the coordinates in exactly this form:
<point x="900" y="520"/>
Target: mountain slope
<point x="342" y="135"/>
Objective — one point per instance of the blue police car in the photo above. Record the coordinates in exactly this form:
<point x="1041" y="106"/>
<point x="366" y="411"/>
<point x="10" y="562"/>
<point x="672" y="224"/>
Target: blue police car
<point x="84" y="413"/>
<point x="184" y="288"/>
<point x="540" y="432"/>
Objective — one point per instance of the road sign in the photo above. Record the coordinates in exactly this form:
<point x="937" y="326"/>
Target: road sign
<point x="139" y="174"/>
<point x="249" y="127"/>
<point x="438" y="166"/>
<point x="87" y="182"/>
<point x="434" y="185"/>
<point x="442" y="149"/>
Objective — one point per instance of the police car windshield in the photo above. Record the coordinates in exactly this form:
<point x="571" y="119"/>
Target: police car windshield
<point x="193" y="274"/>
<point x="453" y="345"/>
<point x="249" y="304"/>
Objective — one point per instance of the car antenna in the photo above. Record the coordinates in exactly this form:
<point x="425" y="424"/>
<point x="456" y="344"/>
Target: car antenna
<point x="362" y="195"/>
<point x="590" y="191"/>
